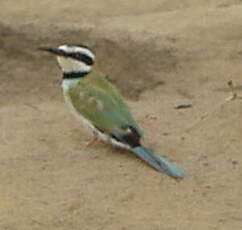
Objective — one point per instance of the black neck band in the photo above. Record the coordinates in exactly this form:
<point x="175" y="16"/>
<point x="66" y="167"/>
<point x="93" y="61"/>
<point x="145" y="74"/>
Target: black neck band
<point x="74" y="75"/>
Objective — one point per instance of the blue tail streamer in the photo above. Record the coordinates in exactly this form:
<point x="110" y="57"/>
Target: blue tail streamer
<point x="159" y="163"/>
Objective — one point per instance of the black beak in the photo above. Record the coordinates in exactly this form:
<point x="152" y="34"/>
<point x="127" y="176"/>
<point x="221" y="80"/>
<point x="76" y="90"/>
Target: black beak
<point x="52" y="50"/>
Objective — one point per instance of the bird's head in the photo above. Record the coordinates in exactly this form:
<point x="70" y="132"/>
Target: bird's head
<point x="73" y="58"/>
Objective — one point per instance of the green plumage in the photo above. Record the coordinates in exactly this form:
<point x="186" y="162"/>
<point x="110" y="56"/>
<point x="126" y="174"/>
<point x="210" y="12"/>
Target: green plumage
<point x="97" y="100"/>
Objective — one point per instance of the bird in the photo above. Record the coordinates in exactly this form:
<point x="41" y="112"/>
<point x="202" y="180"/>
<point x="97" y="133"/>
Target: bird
<point x="97" y="103"/>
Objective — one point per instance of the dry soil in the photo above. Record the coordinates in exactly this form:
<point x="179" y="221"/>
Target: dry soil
<point x="160" y="54"/>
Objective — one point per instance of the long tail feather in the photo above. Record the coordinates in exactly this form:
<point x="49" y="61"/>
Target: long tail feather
<point x="159" y="163"/>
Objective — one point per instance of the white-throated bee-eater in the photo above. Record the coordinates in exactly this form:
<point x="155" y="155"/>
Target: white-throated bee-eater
<point x="99" y="105"/>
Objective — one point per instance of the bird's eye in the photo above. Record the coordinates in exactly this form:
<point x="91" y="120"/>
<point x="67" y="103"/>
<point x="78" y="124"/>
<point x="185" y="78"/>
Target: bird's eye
<point x="77" y="55"/>
<point x="82" y="57"/>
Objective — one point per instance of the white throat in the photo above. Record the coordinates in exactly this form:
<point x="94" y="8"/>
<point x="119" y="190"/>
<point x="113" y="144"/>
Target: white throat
<point x="67" y="84"/>
<point x="71" y="65"/>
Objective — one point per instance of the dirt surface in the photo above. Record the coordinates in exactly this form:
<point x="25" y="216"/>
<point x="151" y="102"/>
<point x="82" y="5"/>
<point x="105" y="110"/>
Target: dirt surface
<point x="160" y="54"/>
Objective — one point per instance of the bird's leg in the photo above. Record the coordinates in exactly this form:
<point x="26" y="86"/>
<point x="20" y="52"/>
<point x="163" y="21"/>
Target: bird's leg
<point x="92" y="140"/>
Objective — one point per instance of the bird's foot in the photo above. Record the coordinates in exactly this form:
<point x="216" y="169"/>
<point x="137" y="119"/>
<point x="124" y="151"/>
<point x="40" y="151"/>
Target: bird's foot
<point x="91" y="141"/>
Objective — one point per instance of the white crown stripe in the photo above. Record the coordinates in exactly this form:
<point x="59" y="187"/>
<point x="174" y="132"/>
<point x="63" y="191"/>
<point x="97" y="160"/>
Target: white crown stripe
<point x="76" y="49"/>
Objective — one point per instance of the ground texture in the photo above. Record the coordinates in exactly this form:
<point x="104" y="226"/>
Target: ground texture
<point x="160" y="54"/>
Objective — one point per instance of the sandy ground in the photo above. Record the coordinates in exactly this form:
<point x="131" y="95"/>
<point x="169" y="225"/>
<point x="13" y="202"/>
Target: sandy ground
<point x="160" y="54"/>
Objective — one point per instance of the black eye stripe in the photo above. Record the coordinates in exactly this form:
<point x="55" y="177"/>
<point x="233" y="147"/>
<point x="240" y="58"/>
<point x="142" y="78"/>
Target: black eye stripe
<point x="80" y="57"/>
<point x="86" y="59"/>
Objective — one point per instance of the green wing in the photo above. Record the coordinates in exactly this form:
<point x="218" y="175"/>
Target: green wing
<point x="100" y="102"/>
